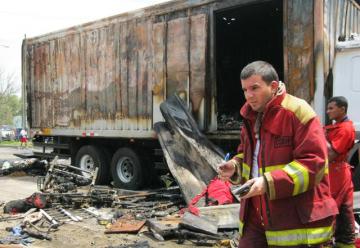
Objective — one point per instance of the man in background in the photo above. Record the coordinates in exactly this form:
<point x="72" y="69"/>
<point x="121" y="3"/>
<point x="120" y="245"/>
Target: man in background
<point x="340" y="136"/>
<point x="23" y="138"/>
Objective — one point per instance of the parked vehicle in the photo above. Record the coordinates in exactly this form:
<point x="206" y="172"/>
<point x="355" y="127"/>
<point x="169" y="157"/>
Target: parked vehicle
<point x="7" y="132"/>
<point x="94" y="90"/>
<point x="346" y="80"/>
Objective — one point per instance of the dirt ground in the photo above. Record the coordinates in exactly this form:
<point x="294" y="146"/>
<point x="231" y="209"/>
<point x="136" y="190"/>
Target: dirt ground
<point x="87" y="233"/>
<point x="90" y="234"/>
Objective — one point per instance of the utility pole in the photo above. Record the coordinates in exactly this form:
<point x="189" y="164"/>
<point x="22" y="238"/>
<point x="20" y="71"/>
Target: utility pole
<point x="23" y="86"/>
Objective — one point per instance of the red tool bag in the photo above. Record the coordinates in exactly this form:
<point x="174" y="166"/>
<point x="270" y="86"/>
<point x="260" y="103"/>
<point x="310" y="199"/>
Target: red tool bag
<point x="36" y="200"/>
<point x="217" y="192"/>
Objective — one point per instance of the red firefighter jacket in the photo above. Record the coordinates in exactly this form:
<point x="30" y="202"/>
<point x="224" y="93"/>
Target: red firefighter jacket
<point x="341" y="137"/>
<point x="297" y="208"/>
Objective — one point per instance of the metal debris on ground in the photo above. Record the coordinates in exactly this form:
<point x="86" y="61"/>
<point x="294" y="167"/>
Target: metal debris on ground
<point x="16" y="236"/>
<point x="199" y="224"/>
<point x="62" y="177"/>
<point x="137" y="244"/>
<point x="126" y="224"/>
<point x="30" y="165"/>
<point x="68" y="201"/>
<point x="229" y="121"/>
<point x="161" y="202"/>
<point x="164" y="228"/>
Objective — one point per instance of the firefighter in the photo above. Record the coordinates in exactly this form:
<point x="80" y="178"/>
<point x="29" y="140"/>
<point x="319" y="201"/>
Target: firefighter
<point x="341" y="136"/>
<point x="282" y="156"/>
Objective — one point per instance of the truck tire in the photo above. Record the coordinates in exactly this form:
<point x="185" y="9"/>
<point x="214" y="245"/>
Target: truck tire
<point x="126" y="169"/>
<point x="356" y="178"/>
<point x="88" y="157"/>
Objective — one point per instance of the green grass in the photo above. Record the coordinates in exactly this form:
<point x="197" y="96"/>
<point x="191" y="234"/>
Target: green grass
<point x="13" y="143"/>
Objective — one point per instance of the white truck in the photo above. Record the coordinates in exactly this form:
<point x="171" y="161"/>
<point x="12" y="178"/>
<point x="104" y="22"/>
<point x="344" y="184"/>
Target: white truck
<point x="93" y="92"/>
<point x="346" y="82"/>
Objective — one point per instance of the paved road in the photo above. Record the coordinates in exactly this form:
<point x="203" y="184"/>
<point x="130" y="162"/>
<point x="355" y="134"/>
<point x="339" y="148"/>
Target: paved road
<point x="15" y="187"/>
<point x="6" y="153"/>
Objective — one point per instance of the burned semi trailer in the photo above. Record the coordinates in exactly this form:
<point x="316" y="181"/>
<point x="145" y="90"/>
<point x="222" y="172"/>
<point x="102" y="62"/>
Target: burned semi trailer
<point x="93" y="91"/>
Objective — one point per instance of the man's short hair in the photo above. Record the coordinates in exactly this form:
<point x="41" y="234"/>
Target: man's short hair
<point x="340" y="101"/>
<point x="261" y="68"/>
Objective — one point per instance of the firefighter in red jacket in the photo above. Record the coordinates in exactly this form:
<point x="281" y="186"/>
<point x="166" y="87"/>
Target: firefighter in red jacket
<point x="283" y="156"/>
<point x="341" y="136"/>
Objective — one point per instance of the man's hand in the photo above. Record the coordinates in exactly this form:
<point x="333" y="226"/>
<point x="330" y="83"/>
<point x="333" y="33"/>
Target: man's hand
<point x="226" y="170"/>
<point x="258" y="187"/>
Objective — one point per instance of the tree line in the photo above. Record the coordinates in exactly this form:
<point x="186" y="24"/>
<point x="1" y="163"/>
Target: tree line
<point x="10" y="102"/>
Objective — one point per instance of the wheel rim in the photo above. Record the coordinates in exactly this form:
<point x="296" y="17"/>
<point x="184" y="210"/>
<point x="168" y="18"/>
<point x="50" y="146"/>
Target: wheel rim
<point x="87" y="163"/>
<point x="125" y="169"/>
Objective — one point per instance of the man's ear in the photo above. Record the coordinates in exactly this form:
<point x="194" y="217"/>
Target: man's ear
<point x="343" y="109"/>
<point x="274" y="86"/>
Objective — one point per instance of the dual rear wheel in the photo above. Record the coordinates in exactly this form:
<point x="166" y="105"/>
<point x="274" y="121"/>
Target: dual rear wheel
<point x="124" y="166"/>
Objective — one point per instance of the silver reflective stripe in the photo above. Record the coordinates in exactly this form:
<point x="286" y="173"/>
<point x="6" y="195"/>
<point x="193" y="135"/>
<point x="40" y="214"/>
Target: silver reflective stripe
<point x="298" y="173"/>
<point x="309" y="236"/>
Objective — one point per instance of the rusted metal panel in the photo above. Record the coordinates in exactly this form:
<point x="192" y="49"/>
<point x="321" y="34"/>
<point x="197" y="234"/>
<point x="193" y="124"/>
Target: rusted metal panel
<point x="132" y="69"/>
<point x="178" y="35"/>
<point x="144" y="72"/>
<point x="43" y="114"/>
<point x="123" y="56"/>
<point x="198" y="47"/>
<point x="112" y="74"/>
<point x="159" y="69"/>
<point x="126" y="225"/>
<point x="299" y="43"/>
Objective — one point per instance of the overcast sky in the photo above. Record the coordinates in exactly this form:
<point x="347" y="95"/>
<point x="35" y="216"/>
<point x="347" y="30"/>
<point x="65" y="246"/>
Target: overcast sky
<point x="35" y="17"/>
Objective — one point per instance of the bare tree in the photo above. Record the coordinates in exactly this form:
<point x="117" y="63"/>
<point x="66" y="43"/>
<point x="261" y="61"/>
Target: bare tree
<point x="7" y="84"/>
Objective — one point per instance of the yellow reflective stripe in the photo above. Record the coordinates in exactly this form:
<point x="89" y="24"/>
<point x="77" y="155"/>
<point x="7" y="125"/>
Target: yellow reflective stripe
<point x="299" y="107"/>
<point x="274" y="167"/>
<point x="240" y="155"/>
<point x="241" y="228"/>
<point x="320" y="175"/>
<point x="326" y="166"/>
<point x="299" y="175"/>
<point x="245" y="171"/>
<point x="306" y="236"/>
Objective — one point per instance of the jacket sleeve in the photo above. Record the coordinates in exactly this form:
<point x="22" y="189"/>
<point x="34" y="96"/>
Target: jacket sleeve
<point x="343" y="140"/>
<point x="237" y="160"/>
<point x="308" y="166"/>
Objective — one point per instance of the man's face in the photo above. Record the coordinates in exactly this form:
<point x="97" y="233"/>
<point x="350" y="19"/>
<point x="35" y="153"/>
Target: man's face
<point x="257" y="92"/>
<point x="334" y="112"/>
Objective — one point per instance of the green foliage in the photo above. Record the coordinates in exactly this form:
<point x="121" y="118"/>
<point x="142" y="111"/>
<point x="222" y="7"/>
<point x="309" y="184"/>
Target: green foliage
<point x="14" y="143"/>
<point x="10" y="103"/>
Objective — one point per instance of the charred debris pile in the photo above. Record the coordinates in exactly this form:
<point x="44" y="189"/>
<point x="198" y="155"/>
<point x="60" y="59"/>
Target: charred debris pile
<point x="191" y="211"/>
<point x="68" y="194"/>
